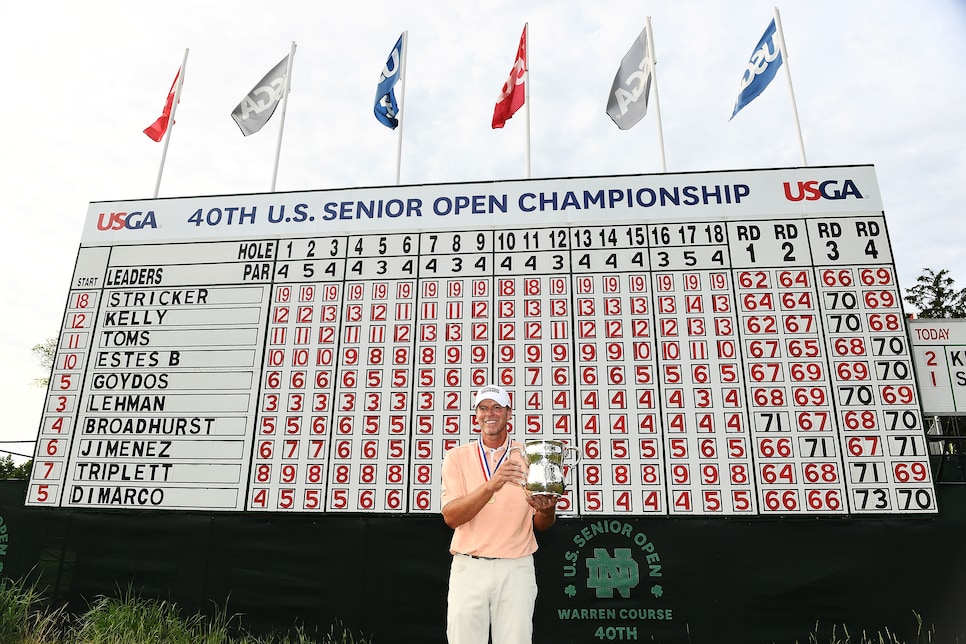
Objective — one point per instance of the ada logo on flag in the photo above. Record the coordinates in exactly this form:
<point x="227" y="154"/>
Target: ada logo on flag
<point x="258" y="106"/>
<point x="761" y="68"/>
<point x="631" y="84"/>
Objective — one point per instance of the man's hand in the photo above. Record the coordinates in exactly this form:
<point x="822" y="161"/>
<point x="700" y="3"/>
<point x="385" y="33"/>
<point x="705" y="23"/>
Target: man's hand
<point x="543" y="502"/>
<point x="546" y="507"/>
<point x="511" y="471"/>
<point x="459" y="511"/>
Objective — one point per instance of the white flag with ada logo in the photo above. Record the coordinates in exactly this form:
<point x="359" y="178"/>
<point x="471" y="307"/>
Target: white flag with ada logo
<point x="255" y="109"/>
<point x="627" y="103"/>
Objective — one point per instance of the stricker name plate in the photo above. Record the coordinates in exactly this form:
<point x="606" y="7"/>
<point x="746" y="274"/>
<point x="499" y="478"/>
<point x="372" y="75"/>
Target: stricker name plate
<point x="712" y="344"/>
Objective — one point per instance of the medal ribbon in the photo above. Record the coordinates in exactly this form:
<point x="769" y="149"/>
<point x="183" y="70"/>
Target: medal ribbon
<point x="484" y="464"/>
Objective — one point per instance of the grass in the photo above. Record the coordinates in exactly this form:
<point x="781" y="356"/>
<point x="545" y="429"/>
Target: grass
<point x="22" y="617"/>
<point x="840" y="635"/>
<point x="27" y="618"/>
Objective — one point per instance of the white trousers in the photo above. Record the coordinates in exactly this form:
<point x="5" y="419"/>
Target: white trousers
<point x="496" y="594"/>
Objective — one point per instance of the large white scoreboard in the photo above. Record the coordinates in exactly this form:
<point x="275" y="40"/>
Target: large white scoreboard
<point x="727" y="343"/>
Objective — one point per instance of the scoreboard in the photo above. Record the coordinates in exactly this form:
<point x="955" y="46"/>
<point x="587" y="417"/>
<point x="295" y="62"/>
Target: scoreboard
<point x="725" y="343"/>
<point x="939" y="357"/>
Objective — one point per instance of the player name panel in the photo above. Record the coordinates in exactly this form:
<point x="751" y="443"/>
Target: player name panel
<point x="754" y="367"/>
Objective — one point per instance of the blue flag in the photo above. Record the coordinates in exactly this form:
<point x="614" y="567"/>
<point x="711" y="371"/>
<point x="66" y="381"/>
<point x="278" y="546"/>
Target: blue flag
<point x="762" y="67"/>
<point x="386" y="109"/>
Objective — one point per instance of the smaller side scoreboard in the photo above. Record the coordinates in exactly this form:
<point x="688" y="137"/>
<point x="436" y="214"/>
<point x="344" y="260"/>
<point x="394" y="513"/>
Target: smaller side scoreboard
<point x="939" y="353"/>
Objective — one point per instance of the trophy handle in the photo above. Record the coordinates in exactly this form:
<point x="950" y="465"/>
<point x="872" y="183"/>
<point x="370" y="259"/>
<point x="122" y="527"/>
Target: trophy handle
<point x="526" y="462"/>
<point x="517" y="448"/>
<point x="568" y="465"/>
<point x="576" y="452"/>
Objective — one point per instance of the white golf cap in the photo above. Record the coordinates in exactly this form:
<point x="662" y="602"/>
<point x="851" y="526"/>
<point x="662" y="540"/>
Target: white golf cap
<point x="492" y="392"/>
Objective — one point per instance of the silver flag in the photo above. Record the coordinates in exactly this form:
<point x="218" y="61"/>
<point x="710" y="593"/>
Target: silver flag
<point x="627" y="102"/>
<point x="255" y="109"/>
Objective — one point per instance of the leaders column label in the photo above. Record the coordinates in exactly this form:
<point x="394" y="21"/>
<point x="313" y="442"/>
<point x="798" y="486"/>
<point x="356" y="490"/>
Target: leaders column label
<point x="169" y="392"/>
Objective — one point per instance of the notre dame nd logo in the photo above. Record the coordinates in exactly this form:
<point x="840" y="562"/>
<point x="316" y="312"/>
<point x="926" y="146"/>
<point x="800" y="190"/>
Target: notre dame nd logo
<point x="613" y="581"/>
<point x="607" y="573"/>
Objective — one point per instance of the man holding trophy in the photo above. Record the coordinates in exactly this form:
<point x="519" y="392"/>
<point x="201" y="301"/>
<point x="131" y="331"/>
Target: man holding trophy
<point x="492" y="582"/>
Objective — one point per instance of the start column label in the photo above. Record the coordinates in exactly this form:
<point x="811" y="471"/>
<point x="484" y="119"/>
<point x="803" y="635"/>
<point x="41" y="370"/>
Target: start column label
<point x="164" y="419"/>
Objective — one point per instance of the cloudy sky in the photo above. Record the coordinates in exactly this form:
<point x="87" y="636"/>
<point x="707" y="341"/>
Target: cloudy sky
<point x="876" y="81"/>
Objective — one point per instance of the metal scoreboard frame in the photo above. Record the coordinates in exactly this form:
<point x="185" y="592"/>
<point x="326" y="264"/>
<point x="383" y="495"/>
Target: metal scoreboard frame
<point x="713" y="344"/>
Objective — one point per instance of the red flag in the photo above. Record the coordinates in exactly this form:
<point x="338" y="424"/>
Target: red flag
<point x="156" y="130"/>
<point x="513" y="93"/>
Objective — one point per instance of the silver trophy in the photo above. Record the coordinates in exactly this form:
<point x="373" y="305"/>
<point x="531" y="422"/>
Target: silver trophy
<point x="545" y="462"/>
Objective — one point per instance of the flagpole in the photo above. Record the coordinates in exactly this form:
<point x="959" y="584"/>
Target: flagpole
<point x="791" y="91"/>
<point x="657" y="99"/>
<point x="401" y="103"/>
<point x="526" y="89"/>
<point x="174" y="108"/>
<point x="281" y="126"/>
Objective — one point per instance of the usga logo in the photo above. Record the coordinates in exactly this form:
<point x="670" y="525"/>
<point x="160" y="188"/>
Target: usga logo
<point x="129" y="220"/>
<point x="815" y="190"/>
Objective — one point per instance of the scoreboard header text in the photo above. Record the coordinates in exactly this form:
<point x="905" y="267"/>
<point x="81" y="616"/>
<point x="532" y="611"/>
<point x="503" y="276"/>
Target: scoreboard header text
<point x="579" y="200"/>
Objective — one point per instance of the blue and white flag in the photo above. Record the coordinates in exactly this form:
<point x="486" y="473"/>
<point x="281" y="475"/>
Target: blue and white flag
<point x="386" y="109"/>
<point x="762" y="67"/>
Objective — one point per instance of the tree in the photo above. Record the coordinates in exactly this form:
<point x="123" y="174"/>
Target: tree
<point x="45" y="353"/>
<point x="935" y="296"/>
<point x="10" y="470"/>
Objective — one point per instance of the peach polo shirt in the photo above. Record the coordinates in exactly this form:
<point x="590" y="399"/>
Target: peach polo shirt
<point x="504" y="527"/>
